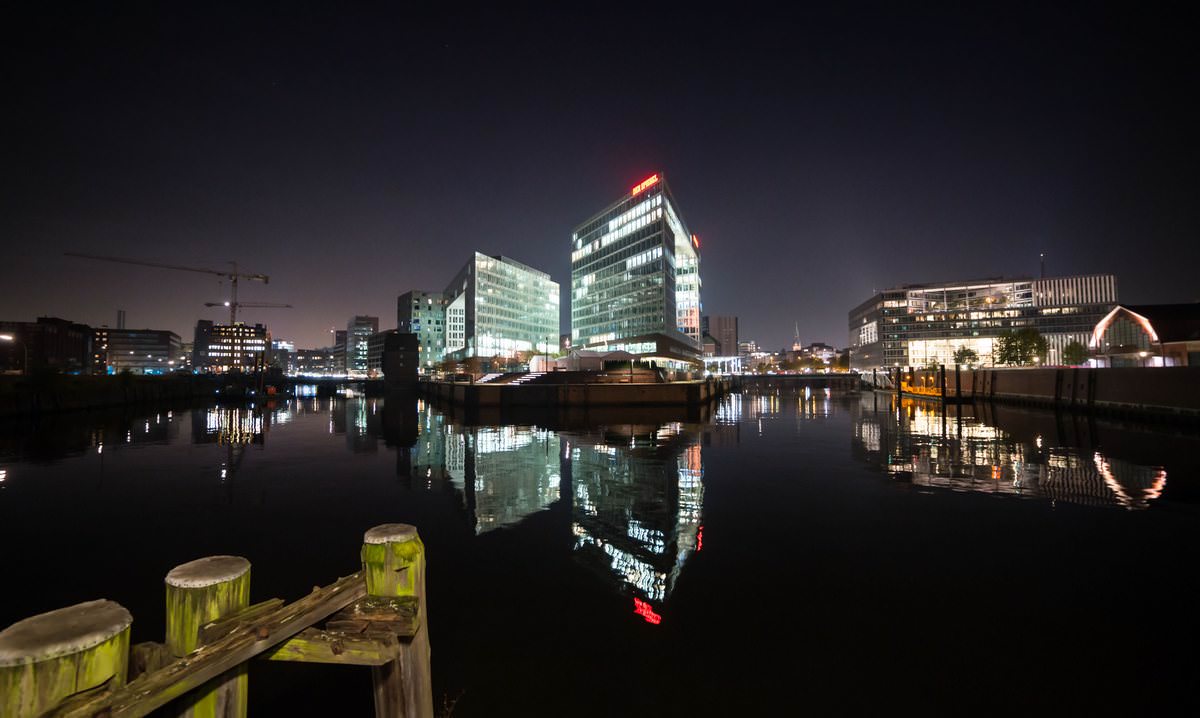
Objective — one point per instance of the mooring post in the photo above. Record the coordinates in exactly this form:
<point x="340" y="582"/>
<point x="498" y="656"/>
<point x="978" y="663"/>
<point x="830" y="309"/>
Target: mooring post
<point x="47" y="658"/>
<point x="199" y="592"/>
<point x="393" y="560"/>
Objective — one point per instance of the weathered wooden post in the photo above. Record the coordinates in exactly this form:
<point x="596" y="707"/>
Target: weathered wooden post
<point x="52" y="656"/>
<point x="199" y="592"/>
<point x="393" y="560"/>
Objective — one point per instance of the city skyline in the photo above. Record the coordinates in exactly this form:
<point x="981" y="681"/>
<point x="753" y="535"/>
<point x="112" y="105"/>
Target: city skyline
<point x="823" y="158"/>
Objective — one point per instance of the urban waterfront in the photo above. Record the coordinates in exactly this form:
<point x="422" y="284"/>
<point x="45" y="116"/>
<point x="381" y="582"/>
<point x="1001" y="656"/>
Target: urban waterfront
<point x="794" y="548"/>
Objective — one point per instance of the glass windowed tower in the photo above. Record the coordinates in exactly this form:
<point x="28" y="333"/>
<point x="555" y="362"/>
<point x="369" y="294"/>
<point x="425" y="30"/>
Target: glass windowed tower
<point x="498" y="307"/>
<point x="635" y="279"/>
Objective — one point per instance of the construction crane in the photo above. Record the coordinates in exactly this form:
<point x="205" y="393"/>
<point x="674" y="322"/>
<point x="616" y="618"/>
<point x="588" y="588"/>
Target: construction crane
<point x="233" y="275"/>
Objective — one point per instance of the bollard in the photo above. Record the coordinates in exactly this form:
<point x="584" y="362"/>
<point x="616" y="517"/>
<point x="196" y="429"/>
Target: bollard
<point x="199" y="592"/>
<point x="52" y="656"/>
<point x="393" y="560"/>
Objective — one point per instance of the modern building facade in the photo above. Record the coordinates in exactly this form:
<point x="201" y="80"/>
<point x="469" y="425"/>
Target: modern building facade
<point x="376" y="344"/>
<point x="924" y="324"/>
<point x="1148" y="335"/>
<point x="137" y="351"/>
<point x="317" y="362"/>
<point x="424" y="314"/>
<point x="497" y="307"/>
<point x="635" y="279"/>
<point x="358" y="338"/>
<point x="221" y="348"/>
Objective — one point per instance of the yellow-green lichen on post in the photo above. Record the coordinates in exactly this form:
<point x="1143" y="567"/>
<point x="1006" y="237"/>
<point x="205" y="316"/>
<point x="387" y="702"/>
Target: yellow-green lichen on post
<point x="393" y="560"/>
<point x="49" y="657"/>
<point x="199" y="592"/>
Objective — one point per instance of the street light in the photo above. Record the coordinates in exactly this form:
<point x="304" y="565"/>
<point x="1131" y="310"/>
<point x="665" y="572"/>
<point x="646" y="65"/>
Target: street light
<point x="1143" y="355"/>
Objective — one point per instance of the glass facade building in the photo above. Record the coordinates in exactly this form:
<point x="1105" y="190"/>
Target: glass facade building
<point x="424" y="314"/>
<point x="498" y="307"/>
<point x="924" y="324"/>
<point x="358" y="338"/>
<point x="495" y="307"/>
<point x="635" y="279"/>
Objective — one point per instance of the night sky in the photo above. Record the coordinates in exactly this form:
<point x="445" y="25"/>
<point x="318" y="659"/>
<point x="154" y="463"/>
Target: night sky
<point x="353" y="154"/>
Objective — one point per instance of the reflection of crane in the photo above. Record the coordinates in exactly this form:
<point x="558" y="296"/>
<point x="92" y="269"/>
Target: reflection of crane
<point x="233" y="275"/>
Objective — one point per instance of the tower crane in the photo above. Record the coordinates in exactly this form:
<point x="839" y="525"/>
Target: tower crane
<point x="232" y="274"/>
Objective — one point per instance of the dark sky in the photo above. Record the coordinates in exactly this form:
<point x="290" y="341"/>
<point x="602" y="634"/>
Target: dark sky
<point x="356" y="153"/>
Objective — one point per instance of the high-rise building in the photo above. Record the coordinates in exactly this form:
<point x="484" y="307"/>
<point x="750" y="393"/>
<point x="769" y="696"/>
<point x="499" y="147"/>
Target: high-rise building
<point x="724" y="331"/>
<point x="339" y="351"/>
<point x="221" y="348"/>
<point x="424" y="314"/>
<point x="358" y="338"/>
<point x="498" y="307"/>
<point x="923" y="324"/>
<point x="138" y="351"/>
<point x="635" y="279"/>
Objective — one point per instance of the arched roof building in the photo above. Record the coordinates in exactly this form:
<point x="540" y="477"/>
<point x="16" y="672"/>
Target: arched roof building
<point x="1148" y="335"/>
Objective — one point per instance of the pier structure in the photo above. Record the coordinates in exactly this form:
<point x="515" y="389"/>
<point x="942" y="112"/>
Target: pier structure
<point x="76" y="662"/>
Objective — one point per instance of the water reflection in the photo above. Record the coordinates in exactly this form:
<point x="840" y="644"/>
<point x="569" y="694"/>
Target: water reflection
<point x="934" y="448"/>
<point x="637" y="507"/>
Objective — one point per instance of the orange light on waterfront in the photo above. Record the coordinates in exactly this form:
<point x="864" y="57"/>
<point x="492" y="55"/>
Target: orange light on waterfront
<point x="645" y="184"/>
<point x="644" y="610"/>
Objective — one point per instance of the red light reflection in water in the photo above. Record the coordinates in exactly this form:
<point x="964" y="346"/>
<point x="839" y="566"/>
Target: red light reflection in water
<point x="700" y="538"/>
<point x="644" y="610"/>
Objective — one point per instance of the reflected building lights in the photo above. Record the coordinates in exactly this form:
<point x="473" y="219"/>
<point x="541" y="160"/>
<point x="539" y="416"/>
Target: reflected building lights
<point x="922" y="447"/>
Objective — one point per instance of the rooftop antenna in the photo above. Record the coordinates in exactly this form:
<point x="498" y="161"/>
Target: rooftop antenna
<point x="1042" y="258"/>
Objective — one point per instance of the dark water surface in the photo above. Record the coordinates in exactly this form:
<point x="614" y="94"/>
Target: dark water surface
<point x="793" y="552"/>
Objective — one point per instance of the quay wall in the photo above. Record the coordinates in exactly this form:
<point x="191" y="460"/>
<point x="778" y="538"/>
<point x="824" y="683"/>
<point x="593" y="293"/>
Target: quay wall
<point x="575" y="395"/>
<point x="1159" y="391"/>
<point x="20" y="395"/>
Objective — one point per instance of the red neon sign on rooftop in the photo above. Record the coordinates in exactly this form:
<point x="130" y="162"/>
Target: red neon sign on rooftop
<point x="645" y="184"/>
<point x="644" y="610"/>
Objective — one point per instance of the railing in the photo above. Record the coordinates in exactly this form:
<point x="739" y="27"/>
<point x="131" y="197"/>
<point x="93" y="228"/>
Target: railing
<point x="77" y="661"/>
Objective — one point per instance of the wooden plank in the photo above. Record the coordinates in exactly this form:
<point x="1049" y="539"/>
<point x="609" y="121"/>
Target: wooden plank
<point x="398" y="615"/>
<point x="211" y="632"/>
<point x="154" y="690"/>
<point x="148" y="657"/>
<point x="324" y="646"/>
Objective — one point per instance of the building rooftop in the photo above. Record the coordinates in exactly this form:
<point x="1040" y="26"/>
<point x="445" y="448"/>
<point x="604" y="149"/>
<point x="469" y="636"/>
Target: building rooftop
<point x="1171" y="322"/>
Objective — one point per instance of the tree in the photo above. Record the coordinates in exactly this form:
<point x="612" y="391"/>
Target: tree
<point x="1020" y="348"/>
<point x="1074" y="353"/>
<point x="965" y="355"/>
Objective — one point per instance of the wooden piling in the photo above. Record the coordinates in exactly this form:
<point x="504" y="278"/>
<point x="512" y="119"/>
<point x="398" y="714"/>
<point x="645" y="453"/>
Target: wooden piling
<point x="199" y="592"/>
<point x="393" y="560"/>
<point x="47" y="658"/>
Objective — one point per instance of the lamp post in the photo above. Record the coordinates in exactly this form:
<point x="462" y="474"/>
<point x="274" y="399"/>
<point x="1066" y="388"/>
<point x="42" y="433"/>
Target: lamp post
<point x="12" y="338"/>
<point x="1143" y="354"/>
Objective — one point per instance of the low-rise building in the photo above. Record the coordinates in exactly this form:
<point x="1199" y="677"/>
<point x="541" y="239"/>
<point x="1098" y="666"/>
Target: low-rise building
<point x="137" y="351"/>
<point x="221" y="348"/>
<point x="1148" y="335"/>
<point x="49" y="342"/>
<point x="924" y="324"/>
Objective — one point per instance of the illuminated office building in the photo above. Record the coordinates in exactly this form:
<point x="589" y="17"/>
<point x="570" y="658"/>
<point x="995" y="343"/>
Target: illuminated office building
<point x="424" y="314"/>
<point x="498" y="307"/>
<point x="137" y="351"/>
<point x="635" y="279"/>
<point x="358" y="339"/>
<point x="923" y="324"/>
<point x="222" y="348"/>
